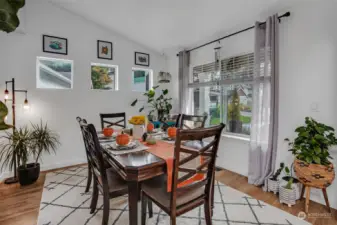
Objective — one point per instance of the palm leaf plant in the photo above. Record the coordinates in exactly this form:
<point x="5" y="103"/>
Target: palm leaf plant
<point x="43" y="140"/>
<point x="16" y="144"/>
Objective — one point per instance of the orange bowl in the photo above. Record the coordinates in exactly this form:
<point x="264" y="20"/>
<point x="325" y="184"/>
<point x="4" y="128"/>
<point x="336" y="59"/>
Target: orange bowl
<point x="107" y="132"/>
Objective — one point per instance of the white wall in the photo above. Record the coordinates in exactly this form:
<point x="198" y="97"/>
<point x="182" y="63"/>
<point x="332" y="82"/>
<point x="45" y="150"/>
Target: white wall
<point x="308" y="77"/>
<point x="59" y="108"/>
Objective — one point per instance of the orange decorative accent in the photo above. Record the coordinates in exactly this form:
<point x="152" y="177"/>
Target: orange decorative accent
<point x="107" y="132"/>
<point x="150" y="127"/>
<point x="172" y="132"/>
<point x="165" y="151"/>
<point x="123" y="139"/>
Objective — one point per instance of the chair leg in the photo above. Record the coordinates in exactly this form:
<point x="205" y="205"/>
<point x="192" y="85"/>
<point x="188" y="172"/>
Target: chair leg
<point x="173" y="220"/>
<point x="94" y="198"/>
<point x="88" y="179"/>
<point x="149" y="204"/>
<point x="307" y="199"/>
<point x="326" y="199"/>
<point x="106" y="209"/>
<point x="144" y="203"/>
<point x="208" y="212"/>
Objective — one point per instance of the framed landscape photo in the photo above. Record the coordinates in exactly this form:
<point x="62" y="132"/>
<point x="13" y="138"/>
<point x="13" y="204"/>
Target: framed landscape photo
<point x="104" y="50"/>
<point x="56" y="45"/>
<point x="142" y="59"/>
<point x="104" y="77"/>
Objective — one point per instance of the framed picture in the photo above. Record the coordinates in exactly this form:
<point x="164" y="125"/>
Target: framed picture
<point x="104" y="77"/>
<point x="54" y="73"/>
<point x="56" y="45"/>
<point x="142" y="59"/>
<point x="104" y="50"/>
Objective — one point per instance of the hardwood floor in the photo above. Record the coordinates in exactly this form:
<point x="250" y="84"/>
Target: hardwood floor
<point x="20" y="206"/>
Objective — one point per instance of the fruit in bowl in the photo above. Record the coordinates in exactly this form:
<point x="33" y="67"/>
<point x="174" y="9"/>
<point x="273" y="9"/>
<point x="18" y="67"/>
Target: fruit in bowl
<point x="108" y="131"/>
<point x="123" y="139"/>
<point x="172" y="132"/>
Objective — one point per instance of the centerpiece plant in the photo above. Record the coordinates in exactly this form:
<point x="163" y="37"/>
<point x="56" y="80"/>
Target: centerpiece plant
<point x="161" y="105"/>
<point x="24" y="143"/>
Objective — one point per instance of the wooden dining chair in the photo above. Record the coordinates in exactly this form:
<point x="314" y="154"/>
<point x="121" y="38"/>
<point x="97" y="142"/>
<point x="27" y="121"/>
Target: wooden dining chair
<point x="106" y="181"/>
<point x="113" y="119"/>
<point x="83" y="122"/>
<point x="192" y="121"/>
<point x="183" y="199"/>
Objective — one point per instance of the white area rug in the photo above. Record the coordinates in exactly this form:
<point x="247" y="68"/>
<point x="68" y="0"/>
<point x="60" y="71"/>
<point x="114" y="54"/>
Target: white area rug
<point x="64" y="202"/>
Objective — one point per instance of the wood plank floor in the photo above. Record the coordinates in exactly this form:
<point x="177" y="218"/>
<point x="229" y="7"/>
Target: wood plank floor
<point x="20" y="206"/>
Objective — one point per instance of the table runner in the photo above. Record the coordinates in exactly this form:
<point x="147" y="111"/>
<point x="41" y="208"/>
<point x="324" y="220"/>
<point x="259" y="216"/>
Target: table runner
<point x="165" y="151"/>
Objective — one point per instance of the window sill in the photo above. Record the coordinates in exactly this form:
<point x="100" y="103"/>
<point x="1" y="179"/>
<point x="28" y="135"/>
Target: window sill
<point x="240" y="137"/>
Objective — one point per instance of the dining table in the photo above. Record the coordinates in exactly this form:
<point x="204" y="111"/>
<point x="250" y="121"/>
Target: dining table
<point x="135" y="167"/>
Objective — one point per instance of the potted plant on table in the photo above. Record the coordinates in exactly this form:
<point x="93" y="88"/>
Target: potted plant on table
<point x="311" y="150"/>
<point x="162" y="104"/>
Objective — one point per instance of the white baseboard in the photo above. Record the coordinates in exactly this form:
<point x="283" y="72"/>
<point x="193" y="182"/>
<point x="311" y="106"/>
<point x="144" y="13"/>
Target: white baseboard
<point x="7" y="174"/>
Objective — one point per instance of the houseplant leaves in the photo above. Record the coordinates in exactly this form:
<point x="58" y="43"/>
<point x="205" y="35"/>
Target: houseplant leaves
<point x="9" y="20"/>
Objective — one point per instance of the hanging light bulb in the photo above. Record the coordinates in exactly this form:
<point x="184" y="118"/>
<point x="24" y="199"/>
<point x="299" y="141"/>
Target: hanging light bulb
<point x="26" y="104"/>
<point x="6" y="94"/>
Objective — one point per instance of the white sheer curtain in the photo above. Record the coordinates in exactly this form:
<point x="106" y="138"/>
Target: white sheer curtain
<point x="184" y="92"/>
<point x="263" y="144"/>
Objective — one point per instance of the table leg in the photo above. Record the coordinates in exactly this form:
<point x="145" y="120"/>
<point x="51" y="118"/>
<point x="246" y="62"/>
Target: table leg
<point x="134" y="203"/>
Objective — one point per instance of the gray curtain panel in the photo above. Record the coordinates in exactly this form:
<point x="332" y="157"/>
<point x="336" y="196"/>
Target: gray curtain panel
<point x="263" y="143"/>
<point x="184" y="61"/>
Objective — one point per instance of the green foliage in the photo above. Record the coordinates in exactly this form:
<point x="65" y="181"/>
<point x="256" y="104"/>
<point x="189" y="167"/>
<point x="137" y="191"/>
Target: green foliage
<point x="9" y="20"/>
<point x="43" y="140"/>
<point x="24" y="142"/>
<point x="159" y="104"/>
<point x="290" y="183"/>
<point x="312" y="142"/>
<point x="234" y="107"/>
<point x="3" y="114"/>
<point x="100" y="77"/>
<point x="278" y="172"/>
<point x="16" y="144"/>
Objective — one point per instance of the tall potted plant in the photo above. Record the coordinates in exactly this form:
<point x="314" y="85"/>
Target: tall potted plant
<point x="311" y="150"/>
<point x="43" y="140"/>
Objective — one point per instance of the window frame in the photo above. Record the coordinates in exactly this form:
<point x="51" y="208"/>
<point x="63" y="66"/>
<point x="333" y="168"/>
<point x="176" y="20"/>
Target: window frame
<point x="222" y="83"/>
<point x="150" y="71"/>
<point x="116" y="75"/>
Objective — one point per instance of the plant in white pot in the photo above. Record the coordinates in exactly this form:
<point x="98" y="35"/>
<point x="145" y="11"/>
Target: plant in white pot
<point x="290" y="188"/>
<point x="272" y="183"/>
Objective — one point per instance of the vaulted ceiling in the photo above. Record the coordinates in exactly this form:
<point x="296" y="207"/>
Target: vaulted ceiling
<point x="166" y="24"/>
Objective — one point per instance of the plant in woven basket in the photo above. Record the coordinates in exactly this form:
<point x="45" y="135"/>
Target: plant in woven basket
<point x="312" y="142"/>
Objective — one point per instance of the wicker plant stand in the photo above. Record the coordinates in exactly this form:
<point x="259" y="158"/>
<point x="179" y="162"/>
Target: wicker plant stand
<point x="314" y="176"/>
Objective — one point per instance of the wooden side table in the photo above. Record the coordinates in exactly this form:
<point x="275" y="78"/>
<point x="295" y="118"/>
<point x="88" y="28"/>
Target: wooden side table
<point x="307" y="197"/>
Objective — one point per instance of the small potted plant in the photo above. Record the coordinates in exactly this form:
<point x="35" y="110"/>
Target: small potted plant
<point x="311" y="150"/>
<point x="272" y="183"/>
<point x="295" y="184"/>
<point x="288" y="193"/>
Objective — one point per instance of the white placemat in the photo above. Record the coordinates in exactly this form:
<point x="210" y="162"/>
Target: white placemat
<point x="108" y="146"/>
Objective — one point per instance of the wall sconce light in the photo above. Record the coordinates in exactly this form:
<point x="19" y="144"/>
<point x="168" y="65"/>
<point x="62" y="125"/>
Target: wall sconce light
<point x="164" y="77"/>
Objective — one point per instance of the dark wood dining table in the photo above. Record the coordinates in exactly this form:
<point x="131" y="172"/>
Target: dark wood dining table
<point x="136" y="167"/>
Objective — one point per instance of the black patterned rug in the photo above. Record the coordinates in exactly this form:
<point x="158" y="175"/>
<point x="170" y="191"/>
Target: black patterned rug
<point x="65" y="203"/>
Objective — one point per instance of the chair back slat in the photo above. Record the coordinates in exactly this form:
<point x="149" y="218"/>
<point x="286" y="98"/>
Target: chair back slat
<point x="194" y="160"/>
<point x="192" y="121"/>
<point x="113" y="120"/>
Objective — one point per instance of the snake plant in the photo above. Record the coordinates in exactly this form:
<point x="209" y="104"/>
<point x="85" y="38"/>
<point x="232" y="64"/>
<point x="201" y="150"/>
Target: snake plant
<point x="9" y="20"/>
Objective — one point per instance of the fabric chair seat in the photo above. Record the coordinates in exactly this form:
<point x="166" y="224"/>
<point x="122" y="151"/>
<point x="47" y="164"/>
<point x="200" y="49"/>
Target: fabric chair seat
<point x="115" y="182"/>
<point x="156" y="189"/>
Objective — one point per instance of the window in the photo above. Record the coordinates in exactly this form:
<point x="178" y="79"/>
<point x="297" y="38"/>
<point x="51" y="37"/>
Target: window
<point x="142" y="79"/>
<point x="104" y="77"/>
<point x="54" y="73"/>
<point x="223" y="91"/>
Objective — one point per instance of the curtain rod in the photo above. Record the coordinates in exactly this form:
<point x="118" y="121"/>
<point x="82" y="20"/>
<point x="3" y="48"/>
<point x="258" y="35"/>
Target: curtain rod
<point x="287" y="14"/>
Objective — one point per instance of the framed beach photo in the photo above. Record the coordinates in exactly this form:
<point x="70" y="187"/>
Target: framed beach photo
<point x="104" y="50"/>
<point x="56" y="45"/>
<point x="142" y="59"/>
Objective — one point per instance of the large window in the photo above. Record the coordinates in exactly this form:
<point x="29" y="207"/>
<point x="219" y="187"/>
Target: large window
<point x="223" y="91"/>
<point x="104" y="77"/>
<point x="141" y="79"/>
